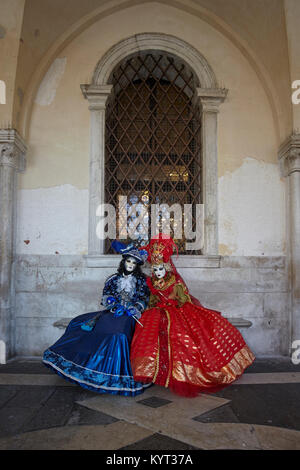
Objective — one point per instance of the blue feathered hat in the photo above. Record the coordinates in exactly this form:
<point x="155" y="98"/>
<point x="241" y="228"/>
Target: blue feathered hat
<point x="130" y="250"/>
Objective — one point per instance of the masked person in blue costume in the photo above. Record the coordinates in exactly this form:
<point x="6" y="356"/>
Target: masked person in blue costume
<point x="95" y="348"/>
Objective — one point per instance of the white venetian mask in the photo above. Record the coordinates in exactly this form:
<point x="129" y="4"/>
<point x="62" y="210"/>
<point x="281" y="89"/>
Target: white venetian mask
<point x="130" y="264"/>
<point x="159" y="271"/>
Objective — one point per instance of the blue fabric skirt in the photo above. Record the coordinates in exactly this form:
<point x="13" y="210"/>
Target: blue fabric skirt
<point x="98" y="359"/>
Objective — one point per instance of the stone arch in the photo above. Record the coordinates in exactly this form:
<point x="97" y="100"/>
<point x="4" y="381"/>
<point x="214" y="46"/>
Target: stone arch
<point x="200" y="12"/>
<point x="155" y="41"/>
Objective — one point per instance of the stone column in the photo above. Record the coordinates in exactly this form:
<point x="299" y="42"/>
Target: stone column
<point x="289" y="160"/>
<point x="97" y="96"/>
<point x="210" y="100"/>
<point x="12" y="160"/>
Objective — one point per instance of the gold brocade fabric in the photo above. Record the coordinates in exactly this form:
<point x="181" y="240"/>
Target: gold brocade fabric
<point x="153" y="300"/>
<point x="178" y="291"/>
<point x="230" y="372"/>
<point x="147" y="367"/>
<point x="165" y="282"/>
<point x="144" y="366"/>
<point x="180" y="294"/>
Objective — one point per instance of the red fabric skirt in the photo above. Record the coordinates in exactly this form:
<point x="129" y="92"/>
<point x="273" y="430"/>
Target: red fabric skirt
<point x="188" y="349"/>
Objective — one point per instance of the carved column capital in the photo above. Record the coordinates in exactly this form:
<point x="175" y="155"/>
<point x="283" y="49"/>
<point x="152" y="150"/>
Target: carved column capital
<point x="12" y="150"/>
<point x="289" y="155"/>
<point x="96" y="95"/>
<point x="211" y="98"/>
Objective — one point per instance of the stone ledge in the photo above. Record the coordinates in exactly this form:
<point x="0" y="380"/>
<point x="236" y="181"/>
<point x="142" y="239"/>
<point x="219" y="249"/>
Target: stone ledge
<point x="262" y="262"/>
<point x="238" y="322"/>
<point x="187" y="261"/>
<point x="183" y="261"/>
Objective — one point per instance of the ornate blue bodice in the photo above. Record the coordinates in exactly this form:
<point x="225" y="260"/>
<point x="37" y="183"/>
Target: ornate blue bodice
<point x="129" y="291"/>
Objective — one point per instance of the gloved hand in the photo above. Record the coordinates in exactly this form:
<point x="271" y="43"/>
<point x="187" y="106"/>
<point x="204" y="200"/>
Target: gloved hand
<point x="110" y="301"/>
<point x="120" y="310"/>
<point x="132" y="311"/>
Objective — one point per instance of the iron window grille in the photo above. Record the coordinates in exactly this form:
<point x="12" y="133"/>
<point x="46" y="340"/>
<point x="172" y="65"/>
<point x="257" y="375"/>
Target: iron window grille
<point x="152" y="141"/>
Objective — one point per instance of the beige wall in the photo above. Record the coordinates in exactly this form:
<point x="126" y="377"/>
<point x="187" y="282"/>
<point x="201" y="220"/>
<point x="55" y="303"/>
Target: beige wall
<point x="292" y="11"/>
<point x="59" y="130"/>
<point x="256" y="27"/>
<point x="11" y="17"/>
<point x="251" y="192"/>
<point x="259" y="26"/>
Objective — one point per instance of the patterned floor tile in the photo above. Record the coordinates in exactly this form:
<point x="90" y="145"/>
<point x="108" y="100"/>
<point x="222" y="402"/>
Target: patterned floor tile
<point x="159" y="442"/>
<point x="224" y="414"/>
<point x="154" y="402"/>
<point x="111" y="437"/>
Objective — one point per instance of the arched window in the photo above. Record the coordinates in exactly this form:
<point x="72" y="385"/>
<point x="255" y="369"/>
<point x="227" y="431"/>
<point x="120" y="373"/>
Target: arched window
<point x="118" y="75"/>
<point x="153" y="141"/>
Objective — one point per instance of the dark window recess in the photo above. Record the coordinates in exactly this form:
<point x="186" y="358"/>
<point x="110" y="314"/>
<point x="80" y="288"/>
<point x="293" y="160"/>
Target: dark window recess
<point x="153" y="139"/>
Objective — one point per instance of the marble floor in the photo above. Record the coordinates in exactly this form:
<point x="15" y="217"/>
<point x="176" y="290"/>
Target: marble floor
<point x="41" y="411"/>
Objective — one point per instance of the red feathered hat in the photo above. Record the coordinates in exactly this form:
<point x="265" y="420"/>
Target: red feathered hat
<point x="160" y="249"/>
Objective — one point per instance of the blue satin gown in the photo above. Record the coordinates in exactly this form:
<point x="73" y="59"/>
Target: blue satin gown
<point x="98" y="359"/>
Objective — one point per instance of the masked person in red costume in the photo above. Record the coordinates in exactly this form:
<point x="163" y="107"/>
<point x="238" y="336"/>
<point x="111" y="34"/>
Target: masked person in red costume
<point x="183" y="345"/>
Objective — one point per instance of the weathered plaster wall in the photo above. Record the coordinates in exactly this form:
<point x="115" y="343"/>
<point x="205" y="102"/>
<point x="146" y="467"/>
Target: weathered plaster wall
<point x="252" y="208"/>
<point x="53" y="220"/>
<point x="59" y="137"/>
<point x="47" y="90"/>
<point x="11" y="17"/>
<point x="256" y="26"/>
<point x="261" y="26"/>
<point x="292" y="13"/>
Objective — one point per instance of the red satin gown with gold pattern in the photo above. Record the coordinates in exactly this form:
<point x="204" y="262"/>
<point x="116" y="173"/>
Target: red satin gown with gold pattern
<point x="183" y="345"/>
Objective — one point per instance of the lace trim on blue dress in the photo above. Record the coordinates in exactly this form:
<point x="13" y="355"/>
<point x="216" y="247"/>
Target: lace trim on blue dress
<point x="93" y="380"/>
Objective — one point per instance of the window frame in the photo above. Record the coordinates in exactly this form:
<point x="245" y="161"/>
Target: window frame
<point x="210" y="97"/>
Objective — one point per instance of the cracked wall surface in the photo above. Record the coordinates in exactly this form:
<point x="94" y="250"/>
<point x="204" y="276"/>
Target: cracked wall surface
<point x="252" y="210"/>
<point x="52" y="220"/>
<point x="47" y="89"/>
